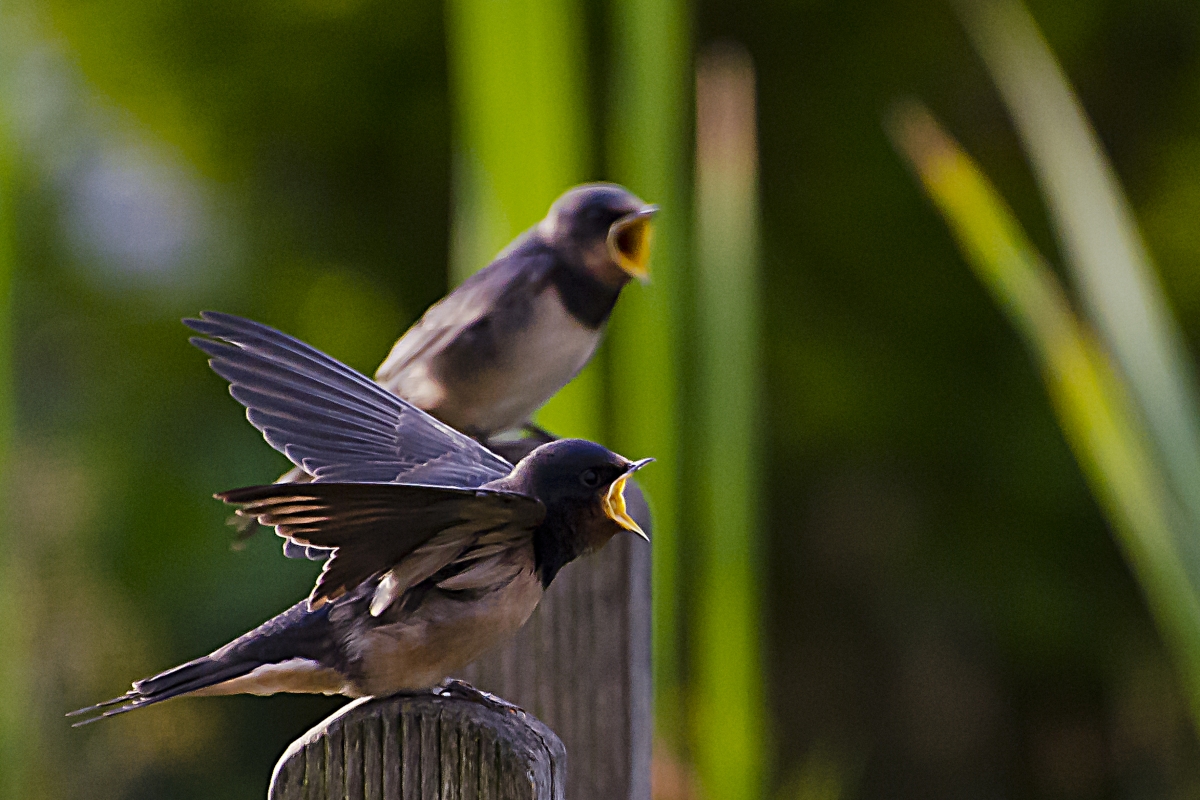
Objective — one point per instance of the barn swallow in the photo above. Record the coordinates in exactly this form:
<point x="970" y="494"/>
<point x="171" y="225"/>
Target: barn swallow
<point x="440" y="548"/>
<point x="494" y="350"/>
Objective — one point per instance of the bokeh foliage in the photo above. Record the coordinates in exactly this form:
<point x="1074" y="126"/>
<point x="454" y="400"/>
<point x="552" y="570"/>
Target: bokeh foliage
<point x="523" y="135"/>
<point x="724" y="693"/>
<point x="1122" y="383"/>
<point x="945" y="612"/>
<point x="647" y="125"/>
<point x="1093" y="399"/>
<point x="13" y="662"/>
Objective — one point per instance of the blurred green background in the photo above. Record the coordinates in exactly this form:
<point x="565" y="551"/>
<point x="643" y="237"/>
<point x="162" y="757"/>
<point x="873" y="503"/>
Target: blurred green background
<point x="930" y="602"/>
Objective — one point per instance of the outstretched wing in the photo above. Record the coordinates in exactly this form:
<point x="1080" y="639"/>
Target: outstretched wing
<point x="331" y="421"/>
<point x="376" y="527"/>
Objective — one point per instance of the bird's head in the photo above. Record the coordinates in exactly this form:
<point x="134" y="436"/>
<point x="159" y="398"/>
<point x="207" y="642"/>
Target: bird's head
<point x="582" y="485"/>
<point x="602" y="228"/>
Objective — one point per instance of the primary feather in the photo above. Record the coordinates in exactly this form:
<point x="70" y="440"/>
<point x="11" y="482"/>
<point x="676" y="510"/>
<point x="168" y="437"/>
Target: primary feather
<point x="331" y="421"/>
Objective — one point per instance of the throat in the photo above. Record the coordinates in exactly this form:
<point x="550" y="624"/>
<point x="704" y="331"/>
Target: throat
<point x="589" y="299"/>
<point x="551" y="553"/>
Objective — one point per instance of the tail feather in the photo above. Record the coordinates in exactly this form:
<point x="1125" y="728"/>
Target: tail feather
<point x="297" y="636"/>
<point x="181" y="680"/>
<point x="195" y="674"/>
<point x="102" y="704"/>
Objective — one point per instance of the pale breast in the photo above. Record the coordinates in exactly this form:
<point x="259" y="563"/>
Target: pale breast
<point x="556" y="347"/>
<point x="441" y="636"/>
<point x="534" y="355"/>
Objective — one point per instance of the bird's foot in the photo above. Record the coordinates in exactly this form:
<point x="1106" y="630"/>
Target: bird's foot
<point x="453" y="687"/>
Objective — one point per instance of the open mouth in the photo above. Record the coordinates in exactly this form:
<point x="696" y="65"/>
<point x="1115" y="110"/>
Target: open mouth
<point x="629" y="242"/>
<point x="614" y="501"/>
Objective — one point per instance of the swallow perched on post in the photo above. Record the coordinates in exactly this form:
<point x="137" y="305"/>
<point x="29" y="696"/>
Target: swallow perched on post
<point x="439" y="547"/>
<point x="494" y="350"/>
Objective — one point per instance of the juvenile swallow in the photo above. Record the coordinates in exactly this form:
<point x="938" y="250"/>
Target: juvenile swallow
<point x="494" y="350"/>
<point x="440" y="548"/>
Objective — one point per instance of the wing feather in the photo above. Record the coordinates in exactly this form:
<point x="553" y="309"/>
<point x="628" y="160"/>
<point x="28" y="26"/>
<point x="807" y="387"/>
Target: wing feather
<point x="408" y="531"/>
<point x="516" y="272"/>
<point x="331" y="421"/>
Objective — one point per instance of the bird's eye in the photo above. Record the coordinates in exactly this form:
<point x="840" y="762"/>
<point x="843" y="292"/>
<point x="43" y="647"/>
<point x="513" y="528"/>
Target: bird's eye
<point x="589" y="478"/>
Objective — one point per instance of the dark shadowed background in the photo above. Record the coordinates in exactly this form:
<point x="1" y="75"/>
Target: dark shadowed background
<point x="944" y="612"/>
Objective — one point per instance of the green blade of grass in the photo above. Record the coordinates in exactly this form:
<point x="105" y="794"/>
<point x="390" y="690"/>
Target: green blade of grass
<point x="1104" y="251"/>
<point x="521" y="139"/>
<point x="726" y="702"/>
<point x="1090" y="399"/>
<point x="17" y="740"/>
<point x="648" y="124"/>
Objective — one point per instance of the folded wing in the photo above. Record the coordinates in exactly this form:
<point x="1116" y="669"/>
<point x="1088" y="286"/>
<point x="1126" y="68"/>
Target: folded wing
<point x="376" y="528"/>
<point x="331" y="421"/>
<point x="515" y="276"/>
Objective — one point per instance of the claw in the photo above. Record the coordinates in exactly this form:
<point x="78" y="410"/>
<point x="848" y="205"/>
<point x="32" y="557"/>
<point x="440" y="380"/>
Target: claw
<point x="461" y="690"/>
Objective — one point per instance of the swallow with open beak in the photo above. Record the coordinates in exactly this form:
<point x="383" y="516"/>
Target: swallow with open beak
<point x="439" y="547"/>
<point x="494" y="350"/>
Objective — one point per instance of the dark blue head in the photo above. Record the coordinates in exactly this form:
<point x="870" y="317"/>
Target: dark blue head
<point x="582" y="486"/>
<point x="603" y="228"/>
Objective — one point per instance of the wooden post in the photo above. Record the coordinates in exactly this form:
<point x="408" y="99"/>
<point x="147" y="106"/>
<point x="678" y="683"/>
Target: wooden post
<point x="422" y="747"/>
<point x="581" y="664"/>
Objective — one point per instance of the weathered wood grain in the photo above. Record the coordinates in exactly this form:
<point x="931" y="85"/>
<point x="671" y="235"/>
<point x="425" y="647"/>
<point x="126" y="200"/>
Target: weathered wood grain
<point x="423" y="748"/>
<point x="582" y="665"/>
